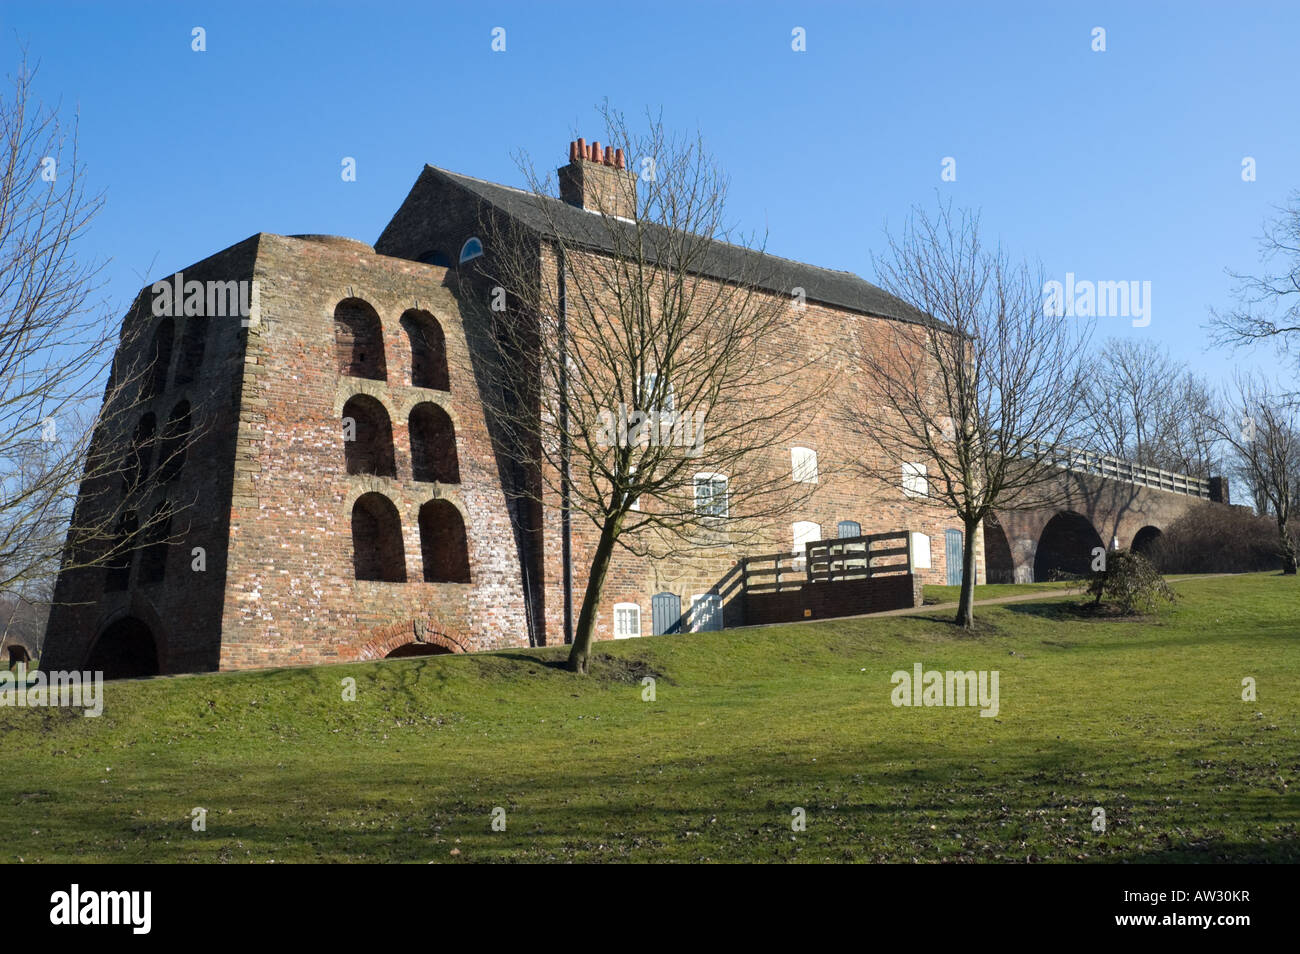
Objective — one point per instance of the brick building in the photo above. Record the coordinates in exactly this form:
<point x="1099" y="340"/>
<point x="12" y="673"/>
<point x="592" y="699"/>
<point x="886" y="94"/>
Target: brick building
<point x="345" y="497"/>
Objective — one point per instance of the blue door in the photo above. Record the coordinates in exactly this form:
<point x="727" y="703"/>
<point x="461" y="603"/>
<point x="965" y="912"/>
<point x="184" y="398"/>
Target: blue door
<point x="952" y="554"/>
<point x="666" y="613"/>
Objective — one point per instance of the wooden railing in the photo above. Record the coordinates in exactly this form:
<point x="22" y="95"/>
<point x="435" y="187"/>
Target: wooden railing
<point x="825" y="561"/>
<point x="1102" y="465"/>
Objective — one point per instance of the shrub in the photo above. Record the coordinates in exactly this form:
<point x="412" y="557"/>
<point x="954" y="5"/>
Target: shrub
<point x="1217" y="539"/>
<point x="1129" y="582"/>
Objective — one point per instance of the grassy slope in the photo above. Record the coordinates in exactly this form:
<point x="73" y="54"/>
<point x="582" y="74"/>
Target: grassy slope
<point x="1142" y="718"/>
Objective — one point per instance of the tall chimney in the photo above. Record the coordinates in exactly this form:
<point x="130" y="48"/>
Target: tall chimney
<point x="597" y="179"/>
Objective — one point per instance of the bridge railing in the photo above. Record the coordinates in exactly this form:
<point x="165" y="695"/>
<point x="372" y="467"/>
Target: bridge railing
<point x="1102" y="465"/>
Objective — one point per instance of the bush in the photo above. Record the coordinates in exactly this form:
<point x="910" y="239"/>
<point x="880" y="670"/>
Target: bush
<point x="1129" y="582"/>
<point x="1216" y="539"/>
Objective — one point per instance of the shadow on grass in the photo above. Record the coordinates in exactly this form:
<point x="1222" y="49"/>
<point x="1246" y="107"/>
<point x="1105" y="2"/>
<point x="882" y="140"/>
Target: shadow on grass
<point x="881" y="803"/>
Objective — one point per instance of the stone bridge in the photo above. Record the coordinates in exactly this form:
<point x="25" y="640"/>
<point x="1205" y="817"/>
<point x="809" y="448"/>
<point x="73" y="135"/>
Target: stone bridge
<point x="1103" y="502"/>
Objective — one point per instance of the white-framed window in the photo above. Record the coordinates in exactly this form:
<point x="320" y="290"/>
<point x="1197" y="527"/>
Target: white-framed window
<point x="914" y="480"/>
<point x="803" y="465"/>
<point x="711" y="495"/>
<point x="472" y="249"/>
<point x="920" y="551"/>
<point x="805" y="532"/>
<point x="635" y="504"/>
<point x="706" y="612"/>
<point x="849" y="528"/>
<point x="648" y="383"/>
<point x="627" y="620"/>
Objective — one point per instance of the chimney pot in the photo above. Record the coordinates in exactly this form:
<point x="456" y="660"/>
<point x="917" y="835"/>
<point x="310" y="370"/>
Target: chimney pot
<point x="610" y="189"/>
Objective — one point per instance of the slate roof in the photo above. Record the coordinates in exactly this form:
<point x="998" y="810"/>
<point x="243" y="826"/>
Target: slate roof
<point x="722" y="260"/>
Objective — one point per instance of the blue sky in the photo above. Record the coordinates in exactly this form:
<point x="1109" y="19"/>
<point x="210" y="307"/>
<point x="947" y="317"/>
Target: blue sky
<point x="1122" y="165"/>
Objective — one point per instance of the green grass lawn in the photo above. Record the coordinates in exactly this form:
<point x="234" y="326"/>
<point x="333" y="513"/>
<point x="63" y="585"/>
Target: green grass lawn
<point x="1143" y="719"/>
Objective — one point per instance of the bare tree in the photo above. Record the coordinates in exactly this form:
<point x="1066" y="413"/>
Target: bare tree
<point x="56" y="342"/>
<point x="1146" y="407"/>
<point x="983" y="390"/>
<point x="1263" y="429"/>
<point x="627" y="367"/>
<point x="1268" y="304"/>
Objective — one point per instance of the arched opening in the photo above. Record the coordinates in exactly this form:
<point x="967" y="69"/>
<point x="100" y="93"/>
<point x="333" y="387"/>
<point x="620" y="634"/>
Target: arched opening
<point x="193" y="344"/>
<point x="1144" y="541"/>
<point x="153" y="555"/>
<point x="433" y="445"/>
<point x="377" y="550"/>
<point x="137" y="468"/>
<point x="442" y="543"/>
<point x="160" y="358"/>
<point x="999" y="567"/>
<point x="428" y="351"/>
<point x="175" y="437"/>
<point x="117" y="566"/>
<point x="367" y="438"/>
<point x="408" y="650"/>
<point x="359" y="340"/>
<point x="125" y="650"/>
<point x="472" y="249"/>
<point x="1065" y="547"/>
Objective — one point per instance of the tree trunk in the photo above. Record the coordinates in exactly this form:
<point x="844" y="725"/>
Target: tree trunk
<point x="586" y="628"/>
<point x="1288" y="548"/>
<point x="966" y="605"/>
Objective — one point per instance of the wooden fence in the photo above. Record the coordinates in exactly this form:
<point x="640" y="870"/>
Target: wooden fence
<point x="828" y="561"/>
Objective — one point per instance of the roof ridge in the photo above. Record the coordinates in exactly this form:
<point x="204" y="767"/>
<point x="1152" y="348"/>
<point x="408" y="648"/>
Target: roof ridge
<point x="720" y="242"/>
<point x="855" y="292"/>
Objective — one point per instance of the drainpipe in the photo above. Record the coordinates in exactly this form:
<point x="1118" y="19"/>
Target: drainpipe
<point x="566" y="543"/>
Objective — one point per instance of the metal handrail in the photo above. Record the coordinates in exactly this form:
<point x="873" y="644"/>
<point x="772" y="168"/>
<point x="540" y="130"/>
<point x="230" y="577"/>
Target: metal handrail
<point x="1082" y="461"/>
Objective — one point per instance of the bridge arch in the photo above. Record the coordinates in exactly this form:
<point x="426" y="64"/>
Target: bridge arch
<point x="1065" y="546"/>
<point x="999" y="565"/>
<point x="1145" y="539"/>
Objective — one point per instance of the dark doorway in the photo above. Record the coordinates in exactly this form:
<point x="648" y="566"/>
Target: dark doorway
<point x="125" y="650"/>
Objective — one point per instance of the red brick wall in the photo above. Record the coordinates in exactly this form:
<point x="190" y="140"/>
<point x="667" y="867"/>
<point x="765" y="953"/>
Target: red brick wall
<point x="184" y="610"/>
<point x="292" y="597"/>
<point x="841" y="493"/>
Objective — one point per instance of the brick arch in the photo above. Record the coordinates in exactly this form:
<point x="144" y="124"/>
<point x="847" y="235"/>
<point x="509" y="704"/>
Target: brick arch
<point x="444" y="543"/>
<point x="1066" y="545"/>
<point x="160" y="359"/>
<point x="376" y="390"/>
<point x="441" y="399"/>
<point x="428" y="350"/>
<point x="378" y="547"/>
<point x="999" y="564"/>
<point x="370" y="450"/>
<point x="381" y="641"/>
<point x="1146" y="538"/>
<point x="433" y="445"/>
<point x="140" y="607"/>
<point x="359" y="340"/>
